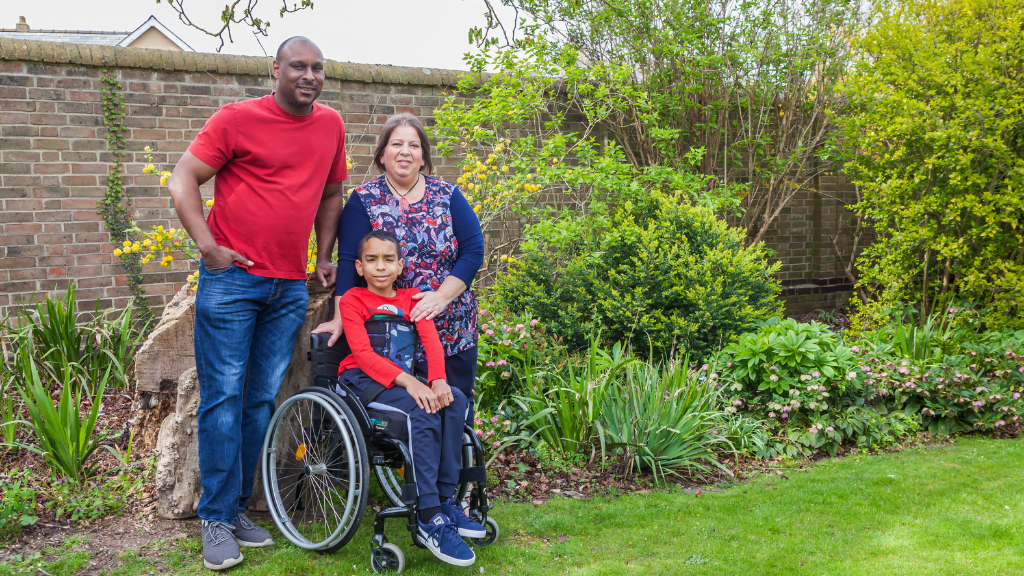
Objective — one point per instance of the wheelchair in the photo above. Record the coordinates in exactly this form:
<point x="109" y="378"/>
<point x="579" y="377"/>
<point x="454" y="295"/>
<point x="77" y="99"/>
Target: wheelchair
<point x="317" y="455"/>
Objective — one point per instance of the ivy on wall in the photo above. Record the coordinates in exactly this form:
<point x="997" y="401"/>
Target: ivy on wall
<point x="115" y="207"/>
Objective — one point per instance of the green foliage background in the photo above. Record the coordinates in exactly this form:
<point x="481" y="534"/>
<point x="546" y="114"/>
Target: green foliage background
<point x="663" y="275"/>
<point x="937" y="147"/>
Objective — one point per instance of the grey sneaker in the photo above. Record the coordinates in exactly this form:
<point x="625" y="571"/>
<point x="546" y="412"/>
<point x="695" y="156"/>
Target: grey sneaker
<point x="220" y="550"/>
<point x="249" y="534"/>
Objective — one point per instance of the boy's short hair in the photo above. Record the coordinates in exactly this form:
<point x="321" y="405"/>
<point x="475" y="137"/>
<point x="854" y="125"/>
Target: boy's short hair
<point x="383" y="235"/>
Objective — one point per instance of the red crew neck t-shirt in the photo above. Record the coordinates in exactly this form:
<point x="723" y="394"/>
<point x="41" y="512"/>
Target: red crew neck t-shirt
<point x="359" y="305"/>
<point x="272" y="167"/>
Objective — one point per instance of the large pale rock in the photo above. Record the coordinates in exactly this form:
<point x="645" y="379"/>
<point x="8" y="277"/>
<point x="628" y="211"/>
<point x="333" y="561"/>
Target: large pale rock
<point x="168" y="352"/>
<point x="177" y="478"/>
<point x="177" y="468"/>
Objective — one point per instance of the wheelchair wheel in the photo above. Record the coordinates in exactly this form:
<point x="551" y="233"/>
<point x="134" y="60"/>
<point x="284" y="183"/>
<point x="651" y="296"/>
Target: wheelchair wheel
<point x="491" y="526"/>
<point x="387" y="558"/>
<point x="315" y="471"/>
<point x="391" y="479"/>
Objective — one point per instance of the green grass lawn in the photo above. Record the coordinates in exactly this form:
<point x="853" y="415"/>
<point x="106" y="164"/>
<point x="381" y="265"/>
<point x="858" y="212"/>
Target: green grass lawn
<point x="924" y="511"/>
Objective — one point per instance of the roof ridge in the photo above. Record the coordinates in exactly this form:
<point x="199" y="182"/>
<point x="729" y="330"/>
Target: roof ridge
<point x="25" y="50"/>
<point x="38" y="31"/>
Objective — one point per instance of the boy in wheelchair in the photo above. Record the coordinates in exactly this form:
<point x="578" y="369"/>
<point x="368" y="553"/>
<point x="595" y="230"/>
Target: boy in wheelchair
<point x="380" y="371"/>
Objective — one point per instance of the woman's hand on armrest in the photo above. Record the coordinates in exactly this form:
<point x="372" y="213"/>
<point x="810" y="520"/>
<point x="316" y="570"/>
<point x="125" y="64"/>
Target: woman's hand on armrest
<point x="334" y="327"/>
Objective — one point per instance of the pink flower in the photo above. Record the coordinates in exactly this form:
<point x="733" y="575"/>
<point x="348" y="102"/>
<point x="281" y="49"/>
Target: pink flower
<point x="728" y="365"/>
<point x="478" y="422"/>
<point x="496" y="445"/>
<point x="829" y="429"/>
<point x="505" y="327"/>
<point x="534" y="323"/>
<point x="784" y="415"/>
<point x="489" y="332"/>
<point x="1000" y="422"/>
<point x="506" y="374"/>
<point x="773" y="378"/>
<point x="771" y="414"/>
<point x="978" y="403"/>
<point x="737" y="402"/>
<point x="1016" y="395"/>
<point x="821" y="388"/>
<point x="705" y="367"/>
<point x="489" y="365"/>
<point x="479" y="432"/>
<point x="502" y="362"/>
<point x="855" y="349"/>
<point x="785" y="408"/>
<point x="772" y="368"/>
<point x="815" y="373"/>
<point x="1021" y="370"/>
<point x="519" y="327"/>
<point x="495" y="420"/>
<point x="483" y="313"/>
<point x="812" y="430"/>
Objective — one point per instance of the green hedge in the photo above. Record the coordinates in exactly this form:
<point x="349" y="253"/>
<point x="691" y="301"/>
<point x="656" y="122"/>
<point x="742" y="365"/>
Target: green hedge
<point x="665" y="276"/>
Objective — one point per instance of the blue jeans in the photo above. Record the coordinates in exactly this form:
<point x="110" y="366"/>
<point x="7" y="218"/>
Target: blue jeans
<point x="245" y="330"/>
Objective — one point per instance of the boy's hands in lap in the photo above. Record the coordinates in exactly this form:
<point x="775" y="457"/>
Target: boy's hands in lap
<point x="425" y="398"/>
<point x="443" y="392"/>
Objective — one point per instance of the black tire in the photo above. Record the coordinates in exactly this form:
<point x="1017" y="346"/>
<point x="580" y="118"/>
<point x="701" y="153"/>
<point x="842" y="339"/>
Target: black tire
<point x="315" y="454"/>
<point x="387" y="558"/>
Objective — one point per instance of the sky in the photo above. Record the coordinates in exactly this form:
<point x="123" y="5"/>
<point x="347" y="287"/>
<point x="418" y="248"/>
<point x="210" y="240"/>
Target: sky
<point x="420" y="33"/>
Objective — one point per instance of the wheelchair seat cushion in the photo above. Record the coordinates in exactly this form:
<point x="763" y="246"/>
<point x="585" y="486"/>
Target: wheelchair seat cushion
<point x="393" y="423"/>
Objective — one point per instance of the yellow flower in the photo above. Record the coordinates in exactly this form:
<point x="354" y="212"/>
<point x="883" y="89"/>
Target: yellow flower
<point x="164" y="178"/>
<point x="177" y="243"/>
<point x="504" y="168"/>
<point x="149" y="169"/>
<point x="126" y="243"/>
<point x="209" y="204"/>
<point x="160" y="228"/>
<point x="167" y="249"/>
<point x="147" y="243"/>
<point x="477" y="208"/>
<point x="465" y="168"/>
<point x="471" y="186"/>
<point x="148" y="149"/>
<point x="117" y="252"/>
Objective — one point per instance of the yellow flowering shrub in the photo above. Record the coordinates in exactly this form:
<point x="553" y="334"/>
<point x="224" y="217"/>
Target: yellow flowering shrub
<point x="165" y="244"/>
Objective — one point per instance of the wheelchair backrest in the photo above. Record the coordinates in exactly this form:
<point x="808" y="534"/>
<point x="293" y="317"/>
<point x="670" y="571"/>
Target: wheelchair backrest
<point x="325" y="360"/>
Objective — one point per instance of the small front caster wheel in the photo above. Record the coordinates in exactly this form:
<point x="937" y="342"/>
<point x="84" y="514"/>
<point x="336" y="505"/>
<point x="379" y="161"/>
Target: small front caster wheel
<point x="388" y="558"/>
<point x="492" y="533"/>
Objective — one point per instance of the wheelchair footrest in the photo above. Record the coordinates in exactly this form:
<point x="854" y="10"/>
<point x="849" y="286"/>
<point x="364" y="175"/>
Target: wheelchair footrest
<point x="476" y="474"/>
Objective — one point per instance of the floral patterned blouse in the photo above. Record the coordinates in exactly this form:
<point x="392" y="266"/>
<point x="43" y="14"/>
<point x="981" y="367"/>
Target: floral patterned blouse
<point x="430" y="248"/>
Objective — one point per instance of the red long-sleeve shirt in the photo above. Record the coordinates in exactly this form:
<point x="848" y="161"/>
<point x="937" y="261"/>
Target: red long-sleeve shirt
<point x="357" y="306"/>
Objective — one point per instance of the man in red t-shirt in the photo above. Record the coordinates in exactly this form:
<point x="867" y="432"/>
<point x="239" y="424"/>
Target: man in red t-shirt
<point x="279" y="162"/>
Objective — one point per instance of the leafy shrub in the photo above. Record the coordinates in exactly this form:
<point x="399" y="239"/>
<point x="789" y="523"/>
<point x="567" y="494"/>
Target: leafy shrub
<point x="562" y="408"/>
<point x="65" y="436"/>
<point x="666" y="418"/>
<point x="64" y="341"/>
<point x="934" y="132"/>
<point x="509" y="348"/>
<point x="780" y="354"/>
<point x="17" y="503"/>
<point x="978" y="389"/>
<point x="662" y="277"/>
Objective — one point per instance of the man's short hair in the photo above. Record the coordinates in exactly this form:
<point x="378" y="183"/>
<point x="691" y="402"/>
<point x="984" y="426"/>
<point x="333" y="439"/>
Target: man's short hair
<point x="382" y="235"/>
<point x="289" y="41"/>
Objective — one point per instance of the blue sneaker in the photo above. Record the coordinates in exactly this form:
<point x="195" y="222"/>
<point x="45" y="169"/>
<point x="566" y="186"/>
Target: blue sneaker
<point x="467" y="527"/>
<point x="442" y="539"/>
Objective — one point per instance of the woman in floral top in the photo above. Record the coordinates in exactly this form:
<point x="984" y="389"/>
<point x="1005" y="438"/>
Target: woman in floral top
<point x="440" y="236"/>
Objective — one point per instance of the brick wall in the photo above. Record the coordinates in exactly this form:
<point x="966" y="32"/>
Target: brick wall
<point x="54" y="161"/>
